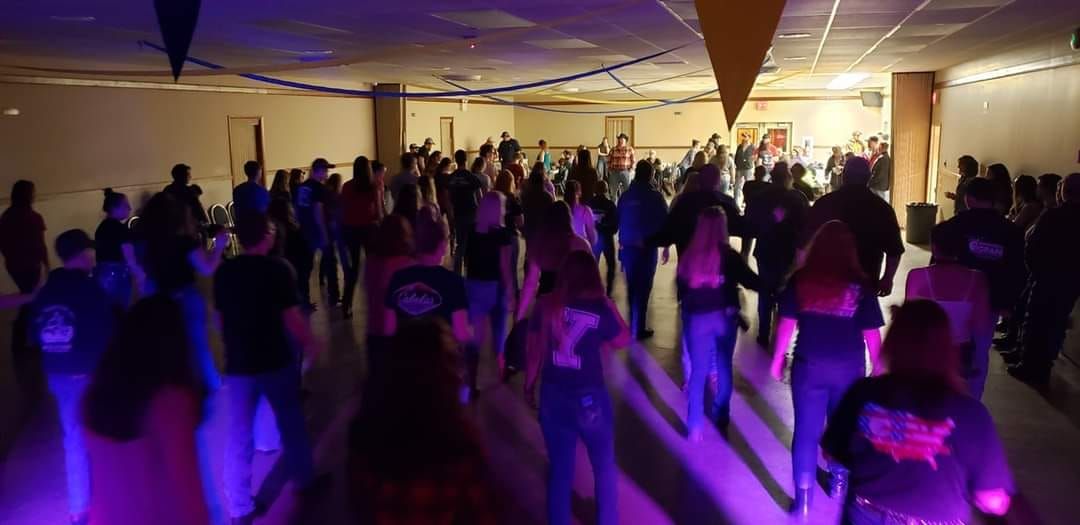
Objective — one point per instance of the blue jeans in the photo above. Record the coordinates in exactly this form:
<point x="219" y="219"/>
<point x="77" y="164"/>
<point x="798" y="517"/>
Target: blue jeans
<point x="115" y="279"/>
<point x="68" y="391"/>
<point x="816" y="390"/>
<point x="487" y="300"/>
<point x="710" y="341"/>
<point x="605" y="245"/>
<point x="618" y="181"/>
<point x="565" y="416"/>
<point x="281" y="388"/>
<point x="640" y="267"/>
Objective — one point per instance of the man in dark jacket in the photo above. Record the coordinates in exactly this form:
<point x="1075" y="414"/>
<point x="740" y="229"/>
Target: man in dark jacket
<point x="508" y="149"/>
<point x="1053" y="258"/>
<point x="72" y="324"/>
<point x="679" y="227"/>
<point x="185" y="192"/>
<point x="881" y="172"/>
<point x="642" y="212"/>
<point x="778" y="215"/>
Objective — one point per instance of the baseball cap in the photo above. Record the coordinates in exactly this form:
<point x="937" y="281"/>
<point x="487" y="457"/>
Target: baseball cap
<point x="321" y="163"/>
<point x="72" y="243"/>
<point x="429" y="140"/>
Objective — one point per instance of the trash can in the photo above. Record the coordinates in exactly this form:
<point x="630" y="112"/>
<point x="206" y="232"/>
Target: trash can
<point x="921" y="217"/>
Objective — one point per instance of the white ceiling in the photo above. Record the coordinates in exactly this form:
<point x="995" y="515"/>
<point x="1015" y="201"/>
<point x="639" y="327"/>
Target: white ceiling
<point x="523" y="40"/>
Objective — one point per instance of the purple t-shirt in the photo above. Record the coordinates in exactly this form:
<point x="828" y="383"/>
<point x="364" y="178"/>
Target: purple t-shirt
<point x="916" y="449"/>
<point x="572" y="358"/>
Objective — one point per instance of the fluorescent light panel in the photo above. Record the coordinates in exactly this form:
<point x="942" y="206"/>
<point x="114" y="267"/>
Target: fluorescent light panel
<point x="846" y="80"/>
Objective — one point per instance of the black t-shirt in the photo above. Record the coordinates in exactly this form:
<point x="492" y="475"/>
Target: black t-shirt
<point x="724" y="296"/>
<point x="513" y="211"/>
<point x="777" y="241"/>
<point x="483" y="256"/>
<point x="169" y="262"/>
<point x="868" y="216"/>
<point x="606" y="213"/>
<point x="310" y="193"/>
<point x="752" y="188"/>
<point x="421" y="291"/>
<point x="573" y="360"/>
<point x="464" y="187"/>
<point x="251" y="293"/>
<point x="916" y="449"/>
<point x="830" y="325"/>
<point x="72" y="322"/>
<point x="993" y="245"/>
<point x="685" y="210"/>
<point x="111" y="234"/>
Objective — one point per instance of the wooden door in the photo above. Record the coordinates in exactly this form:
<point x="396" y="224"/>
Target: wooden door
<point x="446" y="137"/>
<point x="613" y="126"/>
<point x="245" y="143"/>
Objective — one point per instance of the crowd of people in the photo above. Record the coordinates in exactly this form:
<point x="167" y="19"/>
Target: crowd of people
<point x="448" y="251"/>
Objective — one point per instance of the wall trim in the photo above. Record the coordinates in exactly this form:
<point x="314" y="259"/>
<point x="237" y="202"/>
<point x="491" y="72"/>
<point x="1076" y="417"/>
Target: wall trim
<point x="1011" y="71"/>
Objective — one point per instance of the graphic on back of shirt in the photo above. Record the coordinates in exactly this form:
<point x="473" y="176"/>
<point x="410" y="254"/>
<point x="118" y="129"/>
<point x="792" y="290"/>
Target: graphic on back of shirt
<point x="576" y="323"/>
<point x="986" y="250"/>
<point x="56" y="329"/>
<point x="417" y="299"/>
<point x="905" y="436"/>
<point x="814" y="298"/>
<point x="303" y="196"/>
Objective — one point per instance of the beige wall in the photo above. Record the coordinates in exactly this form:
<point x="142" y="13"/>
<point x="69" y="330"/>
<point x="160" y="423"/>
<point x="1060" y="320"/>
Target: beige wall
<point x="473" y="123"/>
<point x="74" y="141"/>
<point x="1030" y="122"/>
<point x="828" y="121"/>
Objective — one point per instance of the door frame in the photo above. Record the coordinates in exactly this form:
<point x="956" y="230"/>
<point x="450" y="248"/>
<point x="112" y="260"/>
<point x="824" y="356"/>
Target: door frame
<point x="453" y="137"/>
<point x="260" y="150"/>
<point x="633" y="128"/>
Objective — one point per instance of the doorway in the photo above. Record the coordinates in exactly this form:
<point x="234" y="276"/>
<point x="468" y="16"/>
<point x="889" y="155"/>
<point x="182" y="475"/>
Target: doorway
<point x="446" y="136"/>
<point x="613" y="126"/>
<point x="778" y="132"/>
<point x="245" y="143"/>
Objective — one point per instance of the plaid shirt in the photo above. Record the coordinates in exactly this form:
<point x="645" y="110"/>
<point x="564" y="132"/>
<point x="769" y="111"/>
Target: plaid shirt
<point x="621" y="158"/>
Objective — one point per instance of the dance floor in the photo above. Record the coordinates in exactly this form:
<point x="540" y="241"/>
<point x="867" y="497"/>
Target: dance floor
<point x="663" y="478"/>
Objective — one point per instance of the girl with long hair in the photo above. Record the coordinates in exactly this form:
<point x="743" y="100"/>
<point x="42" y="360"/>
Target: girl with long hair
<point x="489" y="281"/>
<point x="140" y="412"/>
<point x="708" y="279"/>
<point x="391" y="249"/>
<point x="22" y="238"/>
<point x="1003" y="187"/>
<point x="336" y="251"/>
<point x="515" y="220"/>
<point x="919" y="449"/>
<point x="296" y="178"/>
<point x="577" y="328"/>
<point x="554" y="241"/>
<point x="428" y="196"/>
<point x="361" y="211"/>
<point x="535" y="199"/>
<point x="117" y="270"/>
<point x="834" y="305"/>
<point x="279" y="188"/>
<point x="965" y="296"/>
<point x="407" y="204"/>
<point x="1026" y="204"/>
<point x="602" y="151"/>
<point x="412" y="449"/>
<point x="582" y="215"/>
<point x="585" y="175"/>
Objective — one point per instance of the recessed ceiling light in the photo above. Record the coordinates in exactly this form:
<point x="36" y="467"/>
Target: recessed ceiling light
<point x="570" y="89"/>
<point x="305" y="52"/>
<point x="74" y="18"/>
<point x="462" y="77"/>
<point x="793" y="35"/>
<point x="795" y="59"/>
<point x="846" y="80"/>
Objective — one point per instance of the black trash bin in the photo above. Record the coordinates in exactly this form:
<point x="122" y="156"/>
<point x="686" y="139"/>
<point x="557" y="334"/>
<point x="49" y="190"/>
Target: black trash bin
<point x="921" y="217"/>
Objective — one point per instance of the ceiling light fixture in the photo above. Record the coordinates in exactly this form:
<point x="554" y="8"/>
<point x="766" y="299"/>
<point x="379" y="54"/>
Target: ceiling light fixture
<point x="846" y="81"/>
<point x="793" y="35"/>
<point x="570" y="89"/>
<point x="83" y="19"/>
<point x="795" y="59"/>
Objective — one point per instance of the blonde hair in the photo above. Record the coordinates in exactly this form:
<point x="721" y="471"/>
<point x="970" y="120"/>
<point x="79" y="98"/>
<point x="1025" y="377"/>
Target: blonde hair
<point x="489" y="214"/>
<point x="702" y="264"/>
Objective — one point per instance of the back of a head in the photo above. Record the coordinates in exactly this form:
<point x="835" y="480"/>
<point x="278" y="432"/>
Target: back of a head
<point x="579" y="277"/>
<point x="557" y="220"/>
<point x="408" y="200"/>
<point x="165" y="216"/>
<point x="22" y="193"/>
<point x="998" y="173"/>
<point x="572" y="194"/>
<point x="504" y="182"/>
<point x="1026" y="188"/>
<point x="584" y="160"/>
<point x="431" y="231"/>
<point x="478" y="165"/>
<point x="486" y="149"/>
<point x="252" y="228"/>
<point x="408" y="160"/>
<point x="968" y="166"/>
<point x="760" y="172"/>
<point x="363" y="178"/>
<point x="112" y="200"/>
<point x="700" y="159"/>
<point x="708" y="178"/>
<point x="180" y="173"/>
<point x="946" y="243"/>
<point x="981" y="191"/>
<point x="281" y="181"/>
<point x="1048" y="183"/>
<point x="856" y="172"/>
<point x="643" y="171"/>
<point x="781" y="174"/>
<point x="1070" y="188"/>
<point x="461" y="158"/>
<point x="251" y="169"/>
<point x="536" y="175"/>
<point x="128" y="376"/>
<point x="798" y="171"/>
<point x="394" y="237"/>
<point x="919" y="346"/>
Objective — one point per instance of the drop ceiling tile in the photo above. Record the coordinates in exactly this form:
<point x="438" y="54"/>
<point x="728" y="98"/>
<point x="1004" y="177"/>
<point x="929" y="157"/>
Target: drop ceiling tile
<point x="959" y="4"/>
<point x="484" y="19"/>
<point x="935" y="30"/>
<point x="561" y="43"/>
<point x="872" y="34"/>
<point x="870" y="7"/>
<point x="815" y="23"/>
<point x="949" y="16"/>
<point x="887" y="20"/>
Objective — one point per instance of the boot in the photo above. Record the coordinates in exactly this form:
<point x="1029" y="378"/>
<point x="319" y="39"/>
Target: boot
<point x="800" y="508"/>
<point x="838" y="483"/>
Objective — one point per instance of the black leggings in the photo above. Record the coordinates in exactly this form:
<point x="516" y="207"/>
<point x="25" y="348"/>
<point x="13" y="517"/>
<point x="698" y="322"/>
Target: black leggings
<point x="357" y="238"/>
